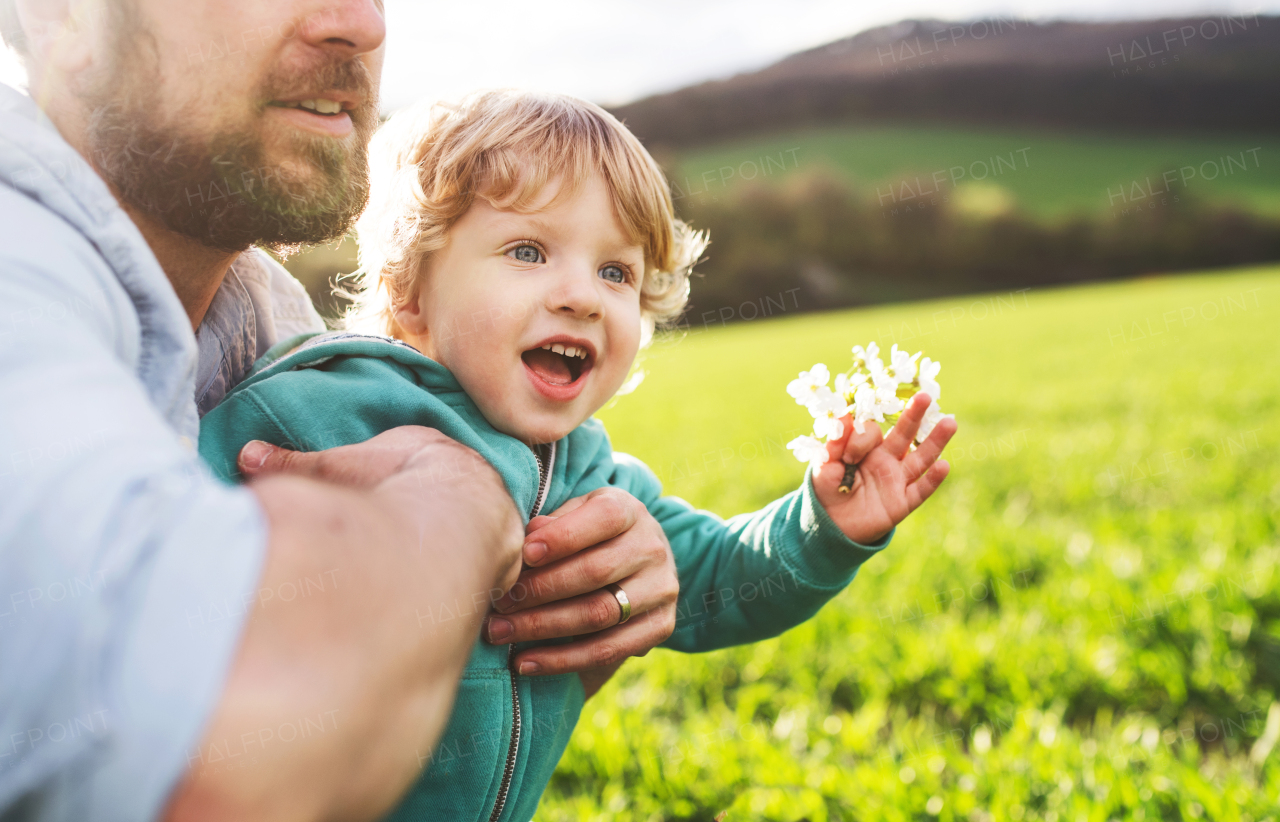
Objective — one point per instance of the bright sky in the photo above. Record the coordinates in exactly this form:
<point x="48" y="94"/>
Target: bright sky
<point x="613" y="51"/>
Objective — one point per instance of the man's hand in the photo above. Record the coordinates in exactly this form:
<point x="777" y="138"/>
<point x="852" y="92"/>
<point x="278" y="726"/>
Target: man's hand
<point x="421" y="521"/>
<point x="891" y="481"/>
<point x="605" y="537"/>
<point x="410" y="450"/>
<point x="356" y="466"/>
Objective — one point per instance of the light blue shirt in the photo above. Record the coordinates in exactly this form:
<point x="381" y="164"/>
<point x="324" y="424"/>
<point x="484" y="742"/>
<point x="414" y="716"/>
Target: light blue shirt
<point x="126" y="570"/>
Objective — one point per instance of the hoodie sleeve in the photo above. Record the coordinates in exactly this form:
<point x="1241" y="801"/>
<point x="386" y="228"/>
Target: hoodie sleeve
<point x="743" y="579"/>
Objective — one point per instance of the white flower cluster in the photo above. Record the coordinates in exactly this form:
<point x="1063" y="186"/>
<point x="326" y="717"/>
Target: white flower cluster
<point x="870" y="390"/>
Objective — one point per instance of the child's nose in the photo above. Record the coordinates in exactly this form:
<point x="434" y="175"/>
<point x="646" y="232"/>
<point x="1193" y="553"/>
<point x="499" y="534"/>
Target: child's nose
<point x="578" y="295"/>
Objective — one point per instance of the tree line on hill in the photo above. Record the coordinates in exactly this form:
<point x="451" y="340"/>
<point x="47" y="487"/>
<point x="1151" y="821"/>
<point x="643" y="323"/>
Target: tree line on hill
<point x="819" y="243"/>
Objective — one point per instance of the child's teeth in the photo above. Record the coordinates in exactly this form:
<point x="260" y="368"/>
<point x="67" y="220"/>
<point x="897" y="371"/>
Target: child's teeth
<point x="566" y="350"/>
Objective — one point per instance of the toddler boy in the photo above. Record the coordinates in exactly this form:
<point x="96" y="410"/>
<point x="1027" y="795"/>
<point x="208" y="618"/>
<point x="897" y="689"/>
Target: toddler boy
<point x="518" y="251"/>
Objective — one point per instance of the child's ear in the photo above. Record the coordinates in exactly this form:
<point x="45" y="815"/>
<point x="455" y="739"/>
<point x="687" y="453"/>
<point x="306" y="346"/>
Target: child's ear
<point x="411" y="317"/>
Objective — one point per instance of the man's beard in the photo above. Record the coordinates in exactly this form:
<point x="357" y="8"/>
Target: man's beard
<point x="219" y="188"/>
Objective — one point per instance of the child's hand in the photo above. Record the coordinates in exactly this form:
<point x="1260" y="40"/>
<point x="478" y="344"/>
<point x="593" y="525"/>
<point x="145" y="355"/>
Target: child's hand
<point x="891" y="481"/>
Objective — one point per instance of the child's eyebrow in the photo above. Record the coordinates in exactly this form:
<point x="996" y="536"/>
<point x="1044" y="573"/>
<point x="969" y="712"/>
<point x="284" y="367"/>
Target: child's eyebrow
<point x="520" y="223"/>
<point x="543" y="226"/>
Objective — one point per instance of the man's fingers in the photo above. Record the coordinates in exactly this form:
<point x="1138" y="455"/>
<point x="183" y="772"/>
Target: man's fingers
<point x="923" y="488"/>
<point x="919" y="460"/>
<point x="603" y="515"/>
<point x="538" y="522"/>
<point x="545" y="519"/>
<point x="904" y="432"/>
<point x="601" y="650"/>
<point x="585" y="614"/>
<point x="577" y="574"/>
<point x="574" y="504"/>
<point x="591" y="612"/>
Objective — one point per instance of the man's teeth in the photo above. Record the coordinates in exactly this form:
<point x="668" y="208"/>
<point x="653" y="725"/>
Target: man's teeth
<point x="567" y="350"/>
<point x="319" y="106"/>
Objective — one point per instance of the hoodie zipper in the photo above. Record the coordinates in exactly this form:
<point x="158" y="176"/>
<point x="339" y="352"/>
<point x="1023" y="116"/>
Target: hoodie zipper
<point x="545" y="455"/>
<point x="546" y="464"/>
<point x="514" y="749"/>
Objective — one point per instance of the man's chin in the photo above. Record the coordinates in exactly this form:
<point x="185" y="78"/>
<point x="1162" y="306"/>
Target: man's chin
<point x="307" y="164"/>
<point x="245" y="190"/>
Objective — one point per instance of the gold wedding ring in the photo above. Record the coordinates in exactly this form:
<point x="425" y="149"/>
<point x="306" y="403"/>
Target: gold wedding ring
<point x="623" y="602"/>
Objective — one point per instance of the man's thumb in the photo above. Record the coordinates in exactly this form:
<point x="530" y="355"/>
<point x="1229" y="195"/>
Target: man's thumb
<point x="259" y="458"/>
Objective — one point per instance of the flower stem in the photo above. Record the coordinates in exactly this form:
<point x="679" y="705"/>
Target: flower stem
<point x="850" y="472"/>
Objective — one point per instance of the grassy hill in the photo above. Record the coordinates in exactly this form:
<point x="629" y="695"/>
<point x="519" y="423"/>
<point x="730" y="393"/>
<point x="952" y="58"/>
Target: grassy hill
<point x="1050" y="174"/>
<point x="1083" y="624"/>
<point x="1149" y="76"/>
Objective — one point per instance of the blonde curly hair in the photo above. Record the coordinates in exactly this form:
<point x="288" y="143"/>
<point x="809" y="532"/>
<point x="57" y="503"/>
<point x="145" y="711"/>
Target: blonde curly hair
<point x="429" y="162"/>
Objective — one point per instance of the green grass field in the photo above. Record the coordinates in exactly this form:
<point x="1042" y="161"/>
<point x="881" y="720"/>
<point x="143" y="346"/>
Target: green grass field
<point x="1082" y="625"/>
<point x="1059" y="174"/>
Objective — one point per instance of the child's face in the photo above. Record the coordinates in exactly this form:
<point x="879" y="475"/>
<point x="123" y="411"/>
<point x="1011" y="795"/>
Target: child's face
<point x="510" y="284"/>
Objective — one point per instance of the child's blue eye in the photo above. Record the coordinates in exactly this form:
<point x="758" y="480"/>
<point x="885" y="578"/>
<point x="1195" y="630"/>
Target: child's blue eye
<point x="527" y="254"/>
<point x="614" y="274"/>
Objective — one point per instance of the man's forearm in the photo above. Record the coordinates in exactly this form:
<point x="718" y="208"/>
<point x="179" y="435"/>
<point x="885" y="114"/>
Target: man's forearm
<point x="357" y="652"/>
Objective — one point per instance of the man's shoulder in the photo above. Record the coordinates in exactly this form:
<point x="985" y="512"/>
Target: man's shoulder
<point x="71" y="257"/>
<point x="33" y="232"/>
<point x="52" y="271"/>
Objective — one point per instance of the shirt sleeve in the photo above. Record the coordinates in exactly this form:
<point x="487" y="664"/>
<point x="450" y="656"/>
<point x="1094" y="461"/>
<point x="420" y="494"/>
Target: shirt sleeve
<point x="753" y="576"/>
<point x="126" y="570"/>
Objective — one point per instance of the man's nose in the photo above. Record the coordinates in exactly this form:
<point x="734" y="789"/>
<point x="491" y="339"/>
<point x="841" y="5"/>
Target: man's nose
<point x="578" y="294"/>
<point x="352" y="26"/>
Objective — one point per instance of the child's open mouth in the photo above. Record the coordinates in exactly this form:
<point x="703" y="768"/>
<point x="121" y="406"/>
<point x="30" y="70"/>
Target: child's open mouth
<point x="557" y="368"/>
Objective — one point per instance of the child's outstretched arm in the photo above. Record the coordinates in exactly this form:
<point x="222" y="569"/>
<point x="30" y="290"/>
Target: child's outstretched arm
<point x="891" y="480"/>
<point x="755" y="575"/>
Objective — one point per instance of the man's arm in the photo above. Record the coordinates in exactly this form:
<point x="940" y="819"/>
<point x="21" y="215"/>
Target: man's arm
<point x="356" y="653"/>
<point x="601" y="537"/>
<point x="154" y="621"/>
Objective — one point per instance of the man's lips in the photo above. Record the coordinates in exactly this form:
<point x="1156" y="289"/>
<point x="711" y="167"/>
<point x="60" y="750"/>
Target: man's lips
<point x="330" y="125"/>
<point x="330" y="99"/>
<point x="328" y="113"/>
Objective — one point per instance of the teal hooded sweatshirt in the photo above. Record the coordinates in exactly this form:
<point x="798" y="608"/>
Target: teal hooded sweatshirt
<point x="741" y="580"/>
